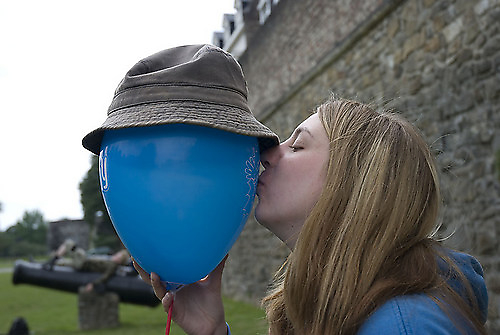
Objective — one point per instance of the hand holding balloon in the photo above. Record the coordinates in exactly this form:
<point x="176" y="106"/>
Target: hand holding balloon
<point x="189" y="185"/>
<point x="198" y="307"/>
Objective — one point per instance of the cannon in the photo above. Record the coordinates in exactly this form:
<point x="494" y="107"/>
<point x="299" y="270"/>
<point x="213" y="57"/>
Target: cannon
<point x="126" y="283"/>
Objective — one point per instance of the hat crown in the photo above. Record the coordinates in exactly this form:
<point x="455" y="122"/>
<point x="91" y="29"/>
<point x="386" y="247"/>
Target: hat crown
<point x="190" y="65"/>
<point x="192" y="84"/>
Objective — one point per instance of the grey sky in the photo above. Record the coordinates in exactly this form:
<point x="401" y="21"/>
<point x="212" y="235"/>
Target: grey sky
<point x="59" y="66"/>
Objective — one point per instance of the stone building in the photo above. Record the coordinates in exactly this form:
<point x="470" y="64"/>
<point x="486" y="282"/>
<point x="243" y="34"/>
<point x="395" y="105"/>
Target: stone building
<point x="435" y="61"/>
<point x="59" y="231"/>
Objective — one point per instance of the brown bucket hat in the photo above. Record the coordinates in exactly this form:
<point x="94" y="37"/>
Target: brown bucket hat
<point x="194" y="84"/>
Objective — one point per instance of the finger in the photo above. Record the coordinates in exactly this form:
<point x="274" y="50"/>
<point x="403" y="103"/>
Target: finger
<point x="143" y="274"/>
<point x="214" y="279"/>
<point x="167" y="300"/>
<point x="158" y="287"/>
<point x="216" y="273"/>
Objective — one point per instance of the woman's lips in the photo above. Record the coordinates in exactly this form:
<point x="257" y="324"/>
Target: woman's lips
<point x="260" y="184"/>
<point x="262" y="178"/>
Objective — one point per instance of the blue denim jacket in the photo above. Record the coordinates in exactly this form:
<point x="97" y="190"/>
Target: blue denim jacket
<point x="419" y="314"/>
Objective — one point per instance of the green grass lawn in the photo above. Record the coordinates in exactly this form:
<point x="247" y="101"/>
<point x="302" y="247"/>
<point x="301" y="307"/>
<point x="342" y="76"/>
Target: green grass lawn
<point x="54" y="312"/>
<point x="6" y="262"/>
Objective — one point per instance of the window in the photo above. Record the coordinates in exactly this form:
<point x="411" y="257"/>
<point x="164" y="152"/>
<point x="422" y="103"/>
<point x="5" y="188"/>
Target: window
<point x="264" y="8"/>
<point x="218" y="39"/>
<point x="231" y="27"/>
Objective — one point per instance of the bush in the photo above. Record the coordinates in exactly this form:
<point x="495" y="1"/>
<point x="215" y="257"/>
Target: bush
<point x="26" y="249"/>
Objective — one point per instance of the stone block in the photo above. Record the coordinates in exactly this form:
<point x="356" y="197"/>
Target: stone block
<point x="486" y="242"/>
<point x="464" y="102"/>
<point x="481" y="7"/>
<point x="392" y="28"/>
<point x="438" y="22"/>
<point x="472" y="29"/>
<point x="413" y="43"/>
<point x="493" y="88"/>
<point x="453" y="29"/>
<point x="414" y="84"/>
<point x="492" y="46"/>
<point x="494" y="283"/>
<point x="479" y="94"/>
<point x="464" y="73"/>
<point x="433" y="44"/>
<point x="496" y="62"/>
<point x="463" y="56"/>
<point x="483" y="67"/>
<point x="455" y="46"/>
<point x="493" y="16"/>
<point x="97" y="311"/>
<point x="479" y="41"/>
<point x="429" y="3"/>
<point x="410" y="10"/>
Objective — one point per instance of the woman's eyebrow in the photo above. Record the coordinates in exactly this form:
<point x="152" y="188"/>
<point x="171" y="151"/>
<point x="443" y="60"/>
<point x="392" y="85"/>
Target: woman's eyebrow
<point x="303" y="129"/>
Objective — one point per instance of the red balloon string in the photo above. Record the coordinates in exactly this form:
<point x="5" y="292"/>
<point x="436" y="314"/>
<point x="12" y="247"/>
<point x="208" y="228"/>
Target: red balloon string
<point x="169" y="318"/>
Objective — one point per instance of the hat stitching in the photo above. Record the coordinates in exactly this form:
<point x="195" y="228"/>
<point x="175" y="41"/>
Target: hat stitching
<point x="229" y="127"/>
<point x="244" y="130"/>
<point x="164" y="117"/>
<point x="182" y="84"/>
<point x="174" y="100"/>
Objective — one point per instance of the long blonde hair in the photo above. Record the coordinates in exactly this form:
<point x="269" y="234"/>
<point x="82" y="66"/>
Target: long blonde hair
<point x="369" y="237"/>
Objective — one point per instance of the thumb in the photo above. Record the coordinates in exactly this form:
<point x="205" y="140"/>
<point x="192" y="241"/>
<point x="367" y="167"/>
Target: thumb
<point x="215" y="277"/>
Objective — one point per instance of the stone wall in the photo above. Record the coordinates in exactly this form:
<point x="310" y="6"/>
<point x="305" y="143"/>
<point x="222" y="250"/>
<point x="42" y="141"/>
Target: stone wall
<point x="292" y="42"/>
<point x="59" y="231"/>
<point x="97" y="311"/>
<point x="436" y="61"/>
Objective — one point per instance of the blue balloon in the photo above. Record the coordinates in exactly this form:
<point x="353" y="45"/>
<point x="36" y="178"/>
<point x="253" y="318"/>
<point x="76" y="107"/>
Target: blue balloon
<point x="178" y="195"/>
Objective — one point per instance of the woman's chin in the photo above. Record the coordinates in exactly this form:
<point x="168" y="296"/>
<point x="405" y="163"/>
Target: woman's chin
<point x="260" y="215"/>
<point x="256" y="212"/>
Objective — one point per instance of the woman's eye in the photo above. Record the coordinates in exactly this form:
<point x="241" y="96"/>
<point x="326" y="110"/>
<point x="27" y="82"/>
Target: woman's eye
<point x="295" y="148"/>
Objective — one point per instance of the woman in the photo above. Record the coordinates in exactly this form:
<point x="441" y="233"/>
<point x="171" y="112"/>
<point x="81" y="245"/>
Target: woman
<point x="354" y="194"/>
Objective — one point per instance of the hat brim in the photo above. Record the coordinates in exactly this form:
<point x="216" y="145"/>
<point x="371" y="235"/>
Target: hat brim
<point x="228" y="118"/>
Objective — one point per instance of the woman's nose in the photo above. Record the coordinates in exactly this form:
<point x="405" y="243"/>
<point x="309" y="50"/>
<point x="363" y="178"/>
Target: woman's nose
<point x="270" y="156"/>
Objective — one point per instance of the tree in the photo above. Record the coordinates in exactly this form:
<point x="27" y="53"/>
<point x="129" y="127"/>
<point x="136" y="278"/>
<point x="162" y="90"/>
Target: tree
<point x="94" y="209"/>
<point x="27" y="237"/>
<point x="32" y="228"/>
